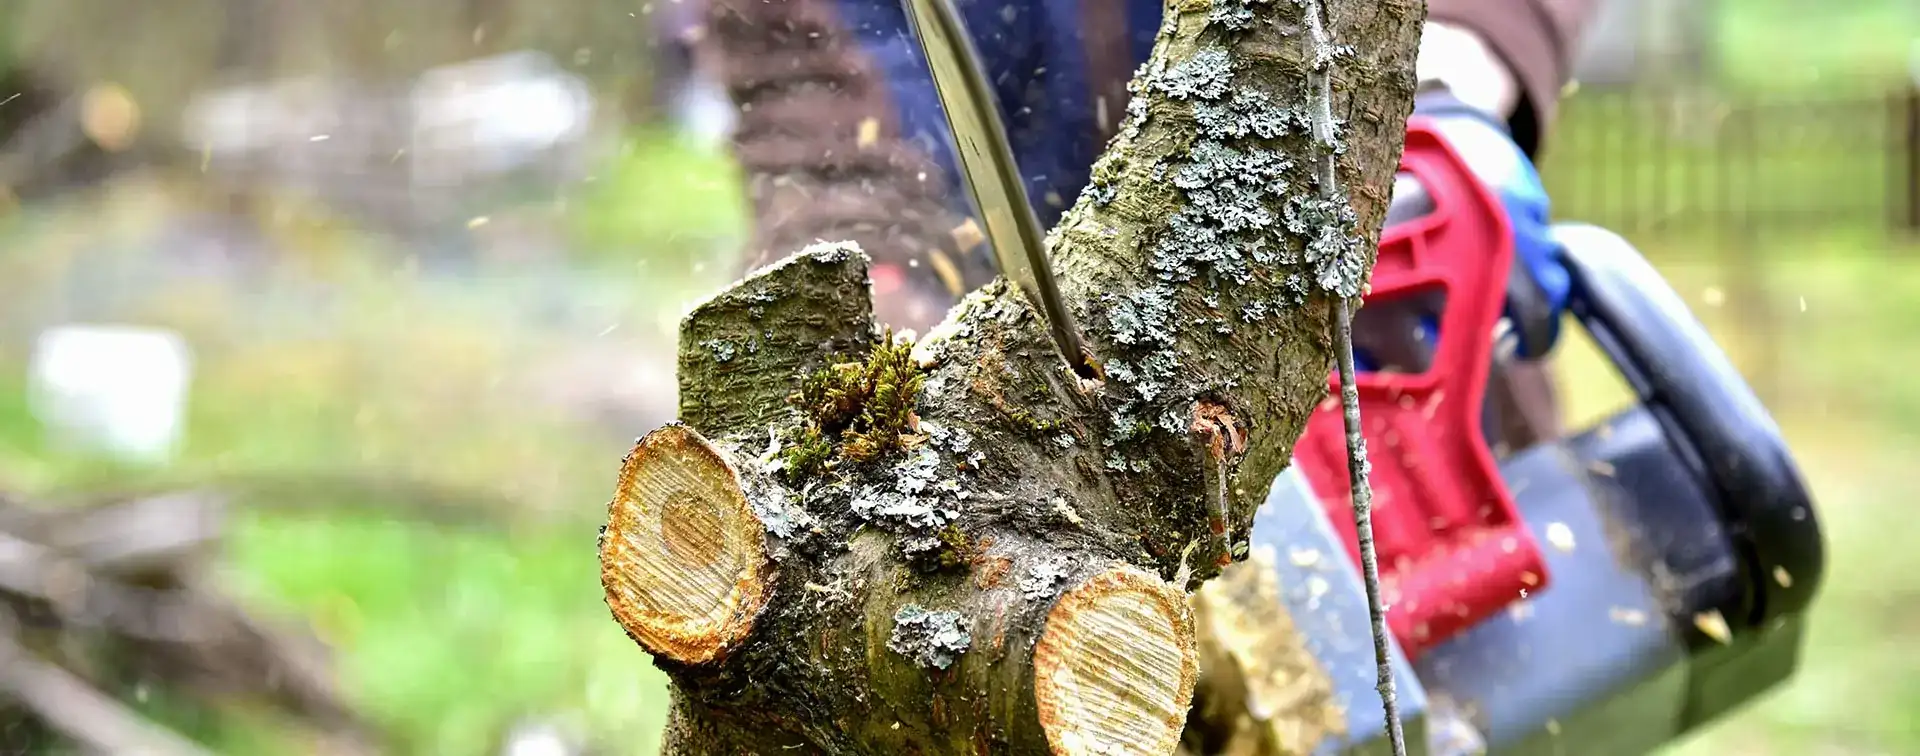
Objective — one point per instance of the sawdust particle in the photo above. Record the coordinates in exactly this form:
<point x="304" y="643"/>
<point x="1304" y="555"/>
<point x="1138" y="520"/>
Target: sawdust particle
<point x="1714" y="625"/>
<point x="1561" y="537"/>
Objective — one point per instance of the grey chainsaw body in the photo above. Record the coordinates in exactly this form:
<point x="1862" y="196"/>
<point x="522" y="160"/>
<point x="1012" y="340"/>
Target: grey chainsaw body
<point x="1626" y="650"/>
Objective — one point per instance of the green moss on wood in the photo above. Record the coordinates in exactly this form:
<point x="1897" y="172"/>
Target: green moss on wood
<point x="857" y="411"/>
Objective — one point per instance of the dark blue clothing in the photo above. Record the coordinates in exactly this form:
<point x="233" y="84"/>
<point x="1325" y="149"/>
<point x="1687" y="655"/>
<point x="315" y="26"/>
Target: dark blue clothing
<point x="1036" y="56"/>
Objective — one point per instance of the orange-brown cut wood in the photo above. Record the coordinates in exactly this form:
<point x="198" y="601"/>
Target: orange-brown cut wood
<point x="683" y="559"/>
<point x="1114" y="670"/>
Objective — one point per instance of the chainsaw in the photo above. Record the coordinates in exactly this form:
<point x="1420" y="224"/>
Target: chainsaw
<point x="1607" y="592"/>
<point x="1680" y="551"/>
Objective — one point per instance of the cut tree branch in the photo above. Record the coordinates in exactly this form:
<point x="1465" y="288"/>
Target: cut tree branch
<point x="853" y="546"/>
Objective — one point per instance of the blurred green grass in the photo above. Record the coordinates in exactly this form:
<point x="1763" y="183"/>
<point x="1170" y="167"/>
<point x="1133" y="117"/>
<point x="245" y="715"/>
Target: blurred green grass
<point x="1799" y="46"/>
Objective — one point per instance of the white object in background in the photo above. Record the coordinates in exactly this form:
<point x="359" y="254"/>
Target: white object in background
<point x="540" y="739"/>
<point x="121" y="390"/>
<point x="494" y="115"/>
<point x="706" y="113"/>
<point x="1460" y="59"/>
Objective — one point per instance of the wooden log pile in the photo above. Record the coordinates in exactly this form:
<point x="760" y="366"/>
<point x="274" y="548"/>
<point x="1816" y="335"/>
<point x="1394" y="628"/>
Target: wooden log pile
<point x="103" y="606"/>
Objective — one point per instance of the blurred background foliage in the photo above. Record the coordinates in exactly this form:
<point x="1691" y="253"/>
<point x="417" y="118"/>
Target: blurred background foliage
<point x="418" y="371"/>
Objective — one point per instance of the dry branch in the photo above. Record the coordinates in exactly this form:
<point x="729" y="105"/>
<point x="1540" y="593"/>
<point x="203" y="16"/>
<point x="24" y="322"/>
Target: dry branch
<point x="968" y="549"/>
<point x="112" y="596"/>
<point x="74" y="708"/>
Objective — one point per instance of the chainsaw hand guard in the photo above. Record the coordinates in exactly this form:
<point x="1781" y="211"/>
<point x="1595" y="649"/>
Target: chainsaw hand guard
<point x="1452" y="548"/>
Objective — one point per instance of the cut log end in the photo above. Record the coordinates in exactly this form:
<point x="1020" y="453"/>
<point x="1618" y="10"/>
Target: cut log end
<point x="1115" y="665"/>
<point x="683" y="559"/>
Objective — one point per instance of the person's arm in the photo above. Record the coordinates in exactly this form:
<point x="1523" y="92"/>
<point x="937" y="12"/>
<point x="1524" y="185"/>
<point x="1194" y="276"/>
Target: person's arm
<point x="1509" y="57"/>
<point x="822" y="141"/>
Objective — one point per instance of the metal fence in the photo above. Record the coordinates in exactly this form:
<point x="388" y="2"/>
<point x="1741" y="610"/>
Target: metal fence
<point x="1737" y="185"/>
<point x="1687" y="163"/>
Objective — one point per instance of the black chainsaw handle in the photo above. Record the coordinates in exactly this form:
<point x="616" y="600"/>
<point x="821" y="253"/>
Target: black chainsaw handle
<point x="1711" y="414"/>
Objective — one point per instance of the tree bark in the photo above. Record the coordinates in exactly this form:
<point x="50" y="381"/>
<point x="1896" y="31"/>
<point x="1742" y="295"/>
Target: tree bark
<point x="847" y="547"/>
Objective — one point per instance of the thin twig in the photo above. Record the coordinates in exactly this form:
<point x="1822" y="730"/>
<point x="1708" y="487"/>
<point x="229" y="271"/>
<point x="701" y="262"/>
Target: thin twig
<point x="1320" y="81"/>
<point x="1357" y="468"/>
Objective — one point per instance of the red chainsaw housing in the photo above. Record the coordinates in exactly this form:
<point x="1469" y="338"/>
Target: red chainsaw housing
<point x="1451" y="545"/>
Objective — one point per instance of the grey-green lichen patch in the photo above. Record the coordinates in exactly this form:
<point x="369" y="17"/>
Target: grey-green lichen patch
<point x="955" y="441"/>
<point x="1327" y="228"/>
<point x="914" y="497"/>
<point x="723" y="350"/>
<point x="1041" y="578"/>
<point x="931" y="639"/>
<point x="1142" y="318"/>
<point x="1205" y="76"/>
<point x="1249" y="113"/>
<point x="782" y="515"/>
<point x="1102" y="193"/>
<point x="1136" y="102"/>
<point x="1149" y="376"/>
<point x="1233" y="15"/>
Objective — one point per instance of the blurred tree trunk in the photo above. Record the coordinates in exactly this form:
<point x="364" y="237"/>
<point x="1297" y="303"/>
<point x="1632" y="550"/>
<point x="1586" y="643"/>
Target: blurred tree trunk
<point x="853" y="546"/>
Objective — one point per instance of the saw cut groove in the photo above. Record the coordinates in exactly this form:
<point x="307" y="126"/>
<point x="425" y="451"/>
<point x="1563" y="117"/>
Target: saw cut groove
<point x="683" y="558"/>
<point x="1114" y="669"/>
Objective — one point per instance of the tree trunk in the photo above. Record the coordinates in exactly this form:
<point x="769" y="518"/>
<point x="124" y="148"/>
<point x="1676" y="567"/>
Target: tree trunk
<point x="851" y="546"/>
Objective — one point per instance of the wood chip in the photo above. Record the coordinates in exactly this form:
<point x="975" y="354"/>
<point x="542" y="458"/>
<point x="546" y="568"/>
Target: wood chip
<point x="1714" y="625"/>
<point x="968" y="236"/>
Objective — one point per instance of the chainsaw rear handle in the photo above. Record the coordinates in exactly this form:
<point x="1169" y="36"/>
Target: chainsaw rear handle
<point x="1708" y="411"/>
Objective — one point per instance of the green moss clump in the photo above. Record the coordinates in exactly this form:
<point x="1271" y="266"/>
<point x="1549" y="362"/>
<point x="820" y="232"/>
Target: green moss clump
<point x="892" y="383"/>
<point x="860" y="411"/>
<point x="1026" y="420"/>
<point x="957" y="550"/>
<point x="807" y="453"/>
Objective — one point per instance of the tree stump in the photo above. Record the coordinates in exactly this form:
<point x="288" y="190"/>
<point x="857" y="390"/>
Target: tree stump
<point x="855" y="544"/>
